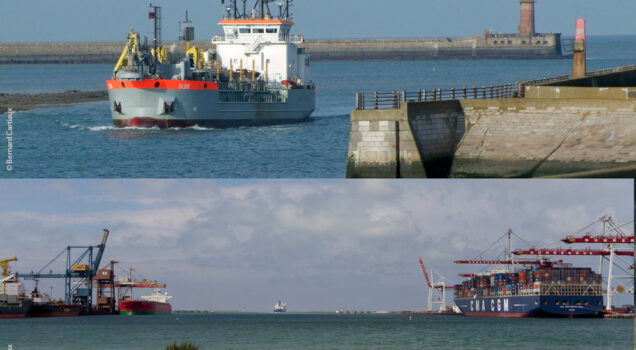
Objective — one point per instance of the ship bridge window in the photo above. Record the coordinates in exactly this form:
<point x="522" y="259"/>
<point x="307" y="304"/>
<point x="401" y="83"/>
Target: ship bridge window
<point x="258" y="30"/>
<point x="244" y="30"/>
<point x="272" y="30"/>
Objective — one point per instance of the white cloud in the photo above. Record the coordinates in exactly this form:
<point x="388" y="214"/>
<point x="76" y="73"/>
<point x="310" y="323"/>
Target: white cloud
<point x="297" y="235"/>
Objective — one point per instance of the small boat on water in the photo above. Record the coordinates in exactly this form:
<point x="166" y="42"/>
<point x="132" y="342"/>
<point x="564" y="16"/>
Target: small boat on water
<point x="280" y="307"/>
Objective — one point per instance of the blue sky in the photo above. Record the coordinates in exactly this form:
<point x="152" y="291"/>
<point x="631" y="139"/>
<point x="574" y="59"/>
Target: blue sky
<point x="318" y="244"/>
<point x="81" y="20"/>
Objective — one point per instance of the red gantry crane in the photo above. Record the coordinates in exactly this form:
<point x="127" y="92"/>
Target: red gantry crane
<point x="439" y="286"/>
<point x="610" y="236"/>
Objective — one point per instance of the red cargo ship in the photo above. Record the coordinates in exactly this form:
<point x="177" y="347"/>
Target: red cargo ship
<point x="156" y="303"/>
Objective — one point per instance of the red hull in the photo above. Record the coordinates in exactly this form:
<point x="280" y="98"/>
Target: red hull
<point x="497" y="314"/>
<point x="132" y="307"/>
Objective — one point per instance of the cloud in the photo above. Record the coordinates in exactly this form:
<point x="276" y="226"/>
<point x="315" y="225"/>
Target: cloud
<point x="297" y="236"/>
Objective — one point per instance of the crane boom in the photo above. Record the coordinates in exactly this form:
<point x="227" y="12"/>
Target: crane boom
<point x="599" y="239"/>
<point x="497" y="262"/>
<point x="575" y="252"/>
<point x="4" y="265"/>
<point x="428" y="282"/>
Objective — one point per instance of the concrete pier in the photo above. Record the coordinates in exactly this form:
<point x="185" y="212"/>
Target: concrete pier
<point x="555" y="130"/>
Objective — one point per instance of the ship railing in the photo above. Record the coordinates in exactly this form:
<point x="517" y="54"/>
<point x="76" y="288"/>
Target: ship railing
<point x="218" y="38"/>
<point x="252" y="96"/>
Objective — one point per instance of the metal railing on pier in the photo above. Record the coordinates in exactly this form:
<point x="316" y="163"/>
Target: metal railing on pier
<point x="395" y="99"/>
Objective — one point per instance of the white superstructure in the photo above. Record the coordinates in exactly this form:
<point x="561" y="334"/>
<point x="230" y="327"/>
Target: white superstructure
<point x="264" y="45"/>
<point x="157" y="297"/>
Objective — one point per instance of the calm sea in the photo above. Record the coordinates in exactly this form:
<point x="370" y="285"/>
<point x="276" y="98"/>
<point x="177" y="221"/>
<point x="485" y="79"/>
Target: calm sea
<point x="79" y="141"/>
<point x="314" y="331"/>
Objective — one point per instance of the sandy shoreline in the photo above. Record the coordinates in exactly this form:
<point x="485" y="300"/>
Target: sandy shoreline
<point x="23" y="102"/>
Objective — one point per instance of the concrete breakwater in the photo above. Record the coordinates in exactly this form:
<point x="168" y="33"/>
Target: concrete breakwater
<point x="586" y="130"/>
<point x="486" y="46"/>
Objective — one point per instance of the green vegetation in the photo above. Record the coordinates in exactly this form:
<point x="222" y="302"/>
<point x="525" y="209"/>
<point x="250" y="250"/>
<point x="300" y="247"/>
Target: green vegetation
<point x="182" y="346"/>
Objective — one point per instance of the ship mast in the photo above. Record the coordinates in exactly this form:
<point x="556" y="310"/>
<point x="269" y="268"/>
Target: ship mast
<point x="260" y="10"/>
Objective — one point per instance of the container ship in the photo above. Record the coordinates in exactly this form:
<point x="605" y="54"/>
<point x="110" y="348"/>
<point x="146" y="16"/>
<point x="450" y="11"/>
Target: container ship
<point x="546" y="290"/>
<point x="257" y="74"/>
<point x="540" y="287"/>
<point x="156" y="303"/>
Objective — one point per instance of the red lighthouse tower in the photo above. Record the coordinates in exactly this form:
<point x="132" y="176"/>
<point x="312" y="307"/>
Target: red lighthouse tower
<point x="526" y="24"/>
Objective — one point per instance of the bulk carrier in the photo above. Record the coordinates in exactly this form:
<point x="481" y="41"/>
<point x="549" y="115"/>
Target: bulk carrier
<point x="256" y="75"/>
<point x="530" y="288"/>
<point x="156" y="303"/>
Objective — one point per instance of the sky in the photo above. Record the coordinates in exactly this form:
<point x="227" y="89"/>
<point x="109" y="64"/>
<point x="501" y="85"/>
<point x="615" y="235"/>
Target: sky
<point x="81" y="20"/>
<point x="319" y="245"/>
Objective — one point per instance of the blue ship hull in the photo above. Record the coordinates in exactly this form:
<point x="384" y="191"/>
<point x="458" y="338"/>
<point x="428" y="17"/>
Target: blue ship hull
<point x="533" y="306"/>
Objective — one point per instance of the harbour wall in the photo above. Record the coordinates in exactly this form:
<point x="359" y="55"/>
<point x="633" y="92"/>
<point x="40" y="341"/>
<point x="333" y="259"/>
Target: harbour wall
<point x="554" y="131"/>
<point x="487" y="46"/>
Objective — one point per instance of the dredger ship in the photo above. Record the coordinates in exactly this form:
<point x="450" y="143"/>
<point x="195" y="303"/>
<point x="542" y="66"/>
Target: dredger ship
<point x="257" y="74"/>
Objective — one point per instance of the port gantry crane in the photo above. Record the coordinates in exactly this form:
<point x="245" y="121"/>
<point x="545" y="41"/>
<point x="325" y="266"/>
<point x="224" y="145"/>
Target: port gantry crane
<point x="79" y="273"/>
<point x="610" y="236"/>
<point x="440" y="286"/>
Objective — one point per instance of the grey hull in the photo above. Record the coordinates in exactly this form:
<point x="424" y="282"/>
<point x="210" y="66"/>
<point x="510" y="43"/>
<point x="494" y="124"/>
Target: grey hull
<point x="180" y="108"/>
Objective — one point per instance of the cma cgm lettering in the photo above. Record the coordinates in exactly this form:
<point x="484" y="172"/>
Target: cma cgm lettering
<point x="494" y="306"/>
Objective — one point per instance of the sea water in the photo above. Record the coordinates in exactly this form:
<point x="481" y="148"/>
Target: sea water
<point x="79" y="141"/>
<point x="314" y="331"/>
